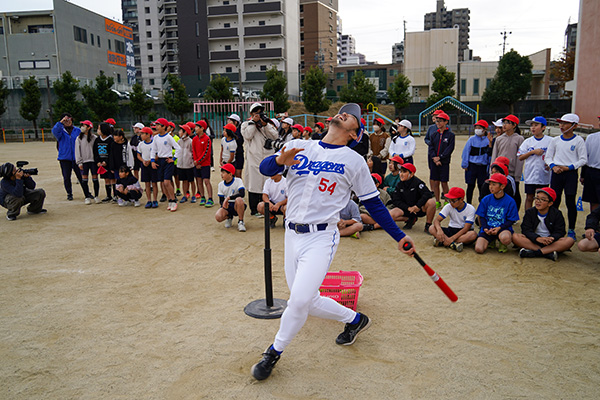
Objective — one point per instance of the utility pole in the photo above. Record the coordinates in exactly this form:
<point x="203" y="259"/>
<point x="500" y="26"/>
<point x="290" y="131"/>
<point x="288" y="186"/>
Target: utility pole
<point x="504" y="36"/>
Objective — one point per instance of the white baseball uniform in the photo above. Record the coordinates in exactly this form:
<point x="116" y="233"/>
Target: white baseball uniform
<point x="277" y="191"/>
<point x="318" y="188"/>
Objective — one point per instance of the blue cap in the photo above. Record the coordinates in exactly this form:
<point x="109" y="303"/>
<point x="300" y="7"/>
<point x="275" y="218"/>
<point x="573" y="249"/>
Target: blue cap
<point x="540" y="120"/>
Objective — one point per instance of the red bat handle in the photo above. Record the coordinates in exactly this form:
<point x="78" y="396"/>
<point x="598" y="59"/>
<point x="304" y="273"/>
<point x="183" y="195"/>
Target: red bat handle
<point x="433" y="275"/>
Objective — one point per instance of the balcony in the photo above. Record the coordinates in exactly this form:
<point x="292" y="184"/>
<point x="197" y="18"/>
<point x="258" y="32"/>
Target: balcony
<point x="264" y="53"/>
<point x="224" y="55"/>
<point x="222" y="33"/>
<point x="218" y="11"/>
<point x="267" y="7"/>
<point x="233" y="76"/>
<point x="265" y="30"/>
<point x="256" y="76"/>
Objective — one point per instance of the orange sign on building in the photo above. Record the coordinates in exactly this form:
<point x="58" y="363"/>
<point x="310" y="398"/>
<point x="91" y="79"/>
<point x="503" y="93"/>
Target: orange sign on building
<point x="116" y="58"/>
<point x="118" y="29"/>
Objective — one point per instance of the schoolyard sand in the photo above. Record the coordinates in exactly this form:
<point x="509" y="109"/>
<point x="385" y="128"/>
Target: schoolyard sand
<point x="103" y="302"/>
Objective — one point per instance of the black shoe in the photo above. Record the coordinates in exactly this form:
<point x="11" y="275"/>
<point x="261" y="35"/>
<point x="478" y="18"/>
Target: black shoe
<point x="163" y="198"/>
<point x="368" y="227"/>
<point x="551" y="256"/>
<point x="262" y="369"/>
<point x="107" y="199"/>
<point x="272" y="222"/>
<point x="410" y="223"/>
<point x="526" y="253"/>
<point x="69" y="197"/>
<point x="42" y="211"/>
<point x="348" y="337"/>
<point x="11" y="217"/>
<point x="427" y="226"/>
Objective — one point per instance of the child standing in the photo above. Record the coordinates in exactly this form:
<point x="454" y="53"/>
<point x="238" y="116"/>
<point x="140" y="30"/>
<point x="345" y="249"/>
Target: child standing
<point x="84" y="158"/>
<point x="164" y="161"/>
<point x="543" y="229"/>
<point x="201" y="147"/>
<point x="507" y="145"/>
<point x="149" y="174"/>
<point x="275" y="197"/>
<point x="228" y="145"/>
<point x="128" y="188"/>
<point x="459" y="231"/>
<point x="476" y="159"/>
<point x="231" y="193"/>
<point x="185" y="163"/>
<point x="440" y="153"/>
<point x="102" y="147"/>
<point x="403" y="144"/>
<point x="497" y="213"/>
<point x="532" y="151"/>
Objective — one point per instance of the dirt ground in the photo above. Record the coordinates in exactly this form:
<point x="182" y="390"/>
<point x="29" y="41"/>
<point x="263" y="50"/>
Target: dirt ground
<point x="103" y="302"/>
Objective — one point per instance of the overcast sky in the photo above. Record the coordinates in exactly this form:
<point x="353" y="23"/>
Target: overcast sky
<point x="377" y="25"/>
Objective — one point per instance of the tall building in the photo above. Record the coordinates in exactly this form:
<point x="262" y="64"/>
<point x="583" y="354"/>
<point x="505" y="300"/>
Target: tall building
<point x="457" y="18"/>
<point x="398" y="53"/>
<point x="318" y="35"/>
<point x="571" y="37"/>
<point x="155" y="35"/>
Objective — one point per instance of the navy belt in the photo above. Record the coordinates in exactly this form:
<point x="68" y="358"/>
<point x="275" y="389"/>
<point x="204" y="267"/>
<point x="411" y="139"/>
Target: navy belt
<point x="305" y="228"/>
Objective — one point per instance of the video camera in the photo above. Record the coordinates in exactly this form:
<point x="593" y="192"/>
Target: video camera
<point x="28" y="171"/>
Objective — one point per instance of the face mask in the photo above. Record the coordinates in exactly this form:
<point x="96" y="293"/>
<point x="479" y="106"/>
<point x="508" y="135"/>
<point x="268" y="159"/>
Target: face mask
<point x="479" y="132"/>
<point x="376" y="128"/>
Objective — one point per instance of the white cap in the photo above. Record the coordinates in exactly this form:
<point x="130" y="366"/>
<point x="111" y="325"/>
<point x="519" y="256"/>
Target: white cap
<point x="288" y="120"/>
<point x="498" y="123"/>
<point x="572" y="118"/>
<point x="235" y="117"/>
<point x="254" y="106"/>
<point x="139" y="125"/>
<point x="406" y="123"/>
<point x="277" y="125"/>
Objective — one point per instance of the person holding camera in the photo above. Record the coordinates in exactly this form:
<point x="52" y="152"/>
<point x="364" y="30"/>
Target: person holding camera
<point x="259" y="133"/>
<point x="66" y="134"/>
<point x="17" y="188"/>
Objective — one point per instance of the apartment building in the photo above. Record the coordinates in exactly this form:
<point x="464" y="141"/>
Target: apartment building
<point x="457" y="18"/>
<point x="318" y="35"/>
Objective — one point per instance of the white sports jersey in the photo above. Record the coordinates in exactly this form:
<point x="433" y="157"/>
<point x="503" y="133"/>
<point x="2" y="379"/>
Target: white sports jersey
<point x="404" y="146"/>
<point x="145" y="149"/>
<point x="567" y="152"/>
<point x="228" y="148"/>
<point x="535" y="172"/>
<point x="277" y="191"/>
<point x="319" y="187"/>
<point x="163" y="146"/>
<point x="592" y="144"/>
<point x="231" y="188"/>
<point x="458" y="218"/>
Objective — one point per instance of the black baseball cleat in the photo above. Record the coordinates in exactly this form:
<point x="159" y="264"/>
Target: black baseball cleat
<point x="410" y="223"/>
<point x="551" y="256"/>
<point x="368" y="227"/>
<point x="273" y="221"/>
<point x="348" y="337"/>
<point x="262" y="369"/>
<point x="42" y="211"/>
<point x="526" y="253"/>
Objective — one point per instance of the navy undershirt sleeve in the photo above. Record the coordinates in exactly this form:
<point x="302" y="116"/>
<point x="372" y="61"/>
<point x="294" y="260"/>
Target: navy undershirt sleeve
<point x="382" y="216"/>
<point x="269" y="167"/>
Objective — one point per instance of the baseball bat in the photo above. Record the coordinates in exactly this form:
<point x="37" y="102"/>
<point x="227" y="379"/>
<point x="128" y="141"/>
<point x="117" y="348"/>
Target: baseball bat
<point x="433" y="275"/>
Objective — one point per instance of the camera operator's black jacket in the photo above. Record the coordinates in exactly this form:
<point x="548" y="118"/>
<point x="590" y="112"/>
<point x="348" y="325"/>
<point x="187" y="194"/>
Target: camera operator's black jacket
<point x="555" y="222"/>
<point x="15" y="188"/>
<point x="412" y="192"/>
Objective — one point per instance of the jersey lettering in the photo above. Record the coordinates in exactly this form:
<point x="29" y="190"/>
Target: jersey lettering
<point x="306" y="166"/>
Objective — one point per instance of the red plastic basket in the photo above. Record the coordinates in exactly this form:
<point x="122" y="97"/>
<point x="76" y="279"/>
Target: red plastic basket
<point x="343" y="287"/>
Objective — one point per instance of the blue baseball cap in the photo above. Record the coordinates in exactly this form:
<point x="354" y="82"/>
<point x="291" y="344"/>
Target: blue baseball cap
<point x="540" y="120"/>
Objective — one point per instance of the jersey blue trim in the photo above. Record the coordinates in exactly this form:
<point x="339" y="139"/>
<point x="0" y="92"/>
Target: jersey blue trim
<point x="463" y="209"/>
<point x="230" y="183"/>
<point x="566" y="140"/>
<point x="368" y="194"/>
<point x="269" y="167"/>
<point x="542" y="215"/>
<point x="330" y="146"/>
<point x="443" y="216"/>
<point x="159" y="135"/>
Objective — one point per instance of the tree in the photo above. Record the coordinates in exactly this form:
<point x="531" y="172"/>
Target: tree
<point x="139" y="103"/>
<point x="399" y="92"/>
<point x="275" y="89"/>
<point x="313" y="89"/>
<point x="442" y="86"/>
<point x="102" y="101"/>
<point x="32" y="102"/>
<point x="66" y="89"/>
<point x="4" y="92"/>
<point x="360" y="90"/>
<point x="219" y="88"/>
<point x="563" y="69"/>
<point x="177" y="101"/>
<point x="511" y="83"/>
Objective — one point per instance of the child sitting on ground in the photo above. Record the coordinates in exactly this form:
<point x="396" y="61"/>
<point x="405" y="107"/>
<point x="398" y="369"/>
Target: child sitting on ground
<point x="231" y="193"/>
<point x="350" y="223"/>
<point x="275" y="196"/>
<point x="592" y="232"/>
<point x="543" y="228"/>
<point x="128" y="188"/>
<point x="369" y="223"/>
<point x="412" y="199"/>
<point x="498" y="167"/>
<point x="459" y="231"/>
<point x="497" y="213"/>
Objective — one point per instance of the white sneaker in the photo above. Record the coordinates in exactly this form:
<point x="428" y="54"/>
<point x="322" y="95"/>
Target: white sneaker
<point x="169" y="206"/>
<point x="174" y="206"/>
<point x="241" y="226"/>
<point x="87" y="200"/>
<point x="228" y="223"/>
<point x="97" y="200"/>
<point x="121" y="203"/>
<point x="136" y="203"/>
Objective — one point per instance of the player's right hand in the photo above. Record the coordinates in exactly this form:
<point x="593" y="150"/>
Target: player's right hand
<point x="406" y="239"/>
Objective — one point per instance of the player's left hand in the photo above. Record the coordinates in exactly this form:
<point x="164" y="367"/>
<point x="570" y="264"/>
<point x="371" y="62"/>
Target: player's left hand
<point x="406" y="239"/>
<point x="287" y="157"/>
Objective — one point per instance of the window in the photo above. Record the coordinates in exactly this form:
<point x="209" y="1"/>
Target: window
<point x="339" y="88"/>
<point x="196" y="12"/>
<point x="150" y="58"/>
<point x="152" y="81"/>
<point x="148" y="22"/>
<point x="119" y="46"/>
<point x="339" y="75"/>
<point x="150" y="70"/>
<point x="330" y="28"/>
<point x="302" y="22"/>
<point x="198" y="51"/>
<point x="262" y="45"/>
<point x="148" y="34"/>
<point x="330" y="15"/>
<point x="109" y="45"/>
<point x="330" y="41"/>
<point x="261" y="23"/>
<point x="92" y="39"/>
<point x="301" y="36"/>
<point x="226" y="3"/>
<point x="79" y="34"/>
<point x="302" y="50"/>
<point x="118" y="78"/>
<point x="475" y="86"/>
<point x="43" y="64"/>
<point x="147" y="10"/>
<point x="263" y="67"/>
<point x="301" y="8"/>
<point x="331" y="69"/>
<point x="197" y="29"/>
<point x="330" y="55"/>
<point x="463" y="86"/>
<point x="228" y="47"/>
<point x="228" y="69"/>
<point x="487" y="82"/>
<point x="227" y="25"/>
<point x="98" y="37"/>
<point x="149" y="46"/>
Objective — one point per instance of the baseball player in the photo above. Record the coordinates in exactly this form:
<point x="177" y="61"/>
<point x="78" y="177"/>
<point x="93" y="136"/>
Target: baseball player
<point x="321" y="172"/>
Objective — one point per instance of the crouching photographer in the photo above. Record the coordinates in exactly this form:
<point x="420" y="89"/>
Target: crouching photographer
<point x="17" y="188"/>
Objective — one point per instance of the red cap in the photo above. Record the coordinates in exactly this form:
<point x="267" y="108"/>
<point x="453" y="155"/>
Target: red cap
<point x="443" y="115"/>
<point x="101" y="170"/>
<point x="511" y="118"/>
<point x="229" y="168"/>
<point x="397" y="159"/>
<point x="162" y="121"/>
<point x="498" y="178"/>
<point x="455" y="193"/>
<point x="436" y="112"/>
<point x="186" y="128"/>
<point x="322" y="125"/>
<point x="230" y="127"/>
<point x="299" y="127"/>
<point x="191" y="125"/>
<point x="502" y="160"/>
<point x="410" y="167"/>
<point x="329" y="119"/>
<point x="147" y="130"/>
<point x="88" y="123"/>
<point x="308" y="129"/>
<point x="503" y="167"/>
<point x="172" y="124"/>
<point x="202" y="123"/>
<point x="377" y="177"/>
<point x="549" y="191"/>
<point x="111" y="121"/>
<point x="483" y="123"/>
<point x="362" y="121"/>
<point x="380" y="120"/>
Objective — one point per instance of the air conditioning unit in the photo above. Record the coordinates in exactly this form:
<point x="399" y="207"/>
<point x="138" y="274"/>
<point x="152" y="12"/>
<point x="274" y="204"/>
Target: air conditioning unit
<point x="17" y="82"/>
<point x="7" y="82"/>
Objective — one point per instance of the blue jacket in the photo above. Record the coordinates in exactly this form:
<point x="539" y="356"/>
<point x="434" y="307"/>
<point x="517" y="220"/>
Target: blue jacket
<point x="477" y="145"/>
<point x="15" y="188"/>
<point x="442" y="145"/>
<point x="430" y="130"/>
<point x="66" y="142"/>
